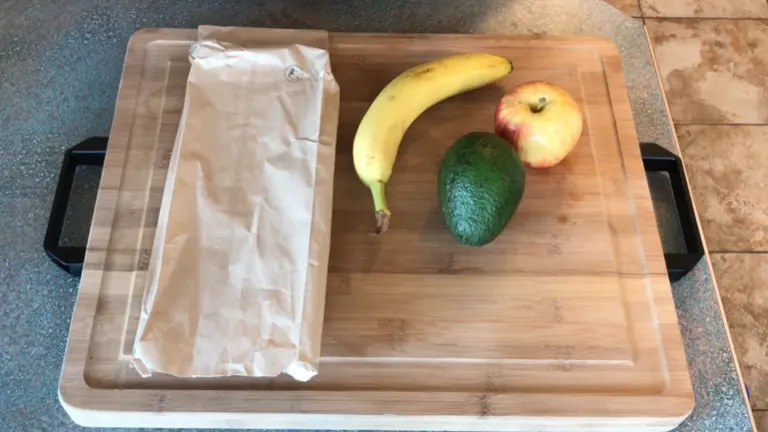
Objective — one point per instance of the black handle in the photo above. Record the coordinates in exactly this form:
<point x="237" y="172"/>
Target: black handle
<point x="88" y="152"/>
<point x="657" y="158"/>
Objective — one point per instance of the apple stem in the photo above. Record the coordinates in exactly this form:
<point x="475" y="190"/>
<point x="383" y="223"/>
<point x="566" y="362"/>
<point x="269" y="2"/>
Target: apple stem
<point x="540" y="106"/>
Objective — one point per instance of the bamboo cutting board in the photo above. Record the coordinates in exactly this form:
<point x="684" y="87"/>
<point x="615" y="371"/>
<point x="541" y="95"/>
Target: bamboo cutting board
<point x="565" y="322"/>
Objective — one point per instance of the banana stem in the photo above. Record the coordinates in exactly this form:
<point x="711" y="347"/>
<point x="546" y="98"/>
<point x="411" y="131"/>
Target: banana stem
<point x="382" y="211"/>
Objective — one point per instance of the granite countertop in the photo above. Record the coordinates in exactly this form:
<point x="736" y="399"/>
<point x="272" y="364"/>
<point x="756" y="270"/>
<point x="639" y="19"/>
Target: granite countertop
<point x="60" y="67"/>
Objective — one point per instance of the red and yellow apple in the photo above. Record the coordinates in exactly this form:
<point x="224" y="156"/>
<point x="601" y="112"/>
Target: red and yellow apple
<point x="541" y="120"/>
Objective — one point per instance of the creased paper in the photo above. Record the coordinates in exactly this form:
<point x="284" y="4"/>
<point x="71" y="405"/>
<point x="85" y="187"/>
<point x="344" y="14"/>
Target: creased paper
<point x="236" y="282"/>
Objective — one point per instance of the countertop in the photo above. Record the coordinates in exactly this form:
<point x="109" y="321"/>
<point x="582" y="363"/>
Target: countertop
<point x="60" y="64"/>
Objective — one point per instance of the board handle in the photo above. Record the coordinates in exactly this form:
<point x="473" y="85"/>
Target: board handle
<point x="89" y="152"/>
<point x="659" y="159"/>
<point x="93" y="150"/>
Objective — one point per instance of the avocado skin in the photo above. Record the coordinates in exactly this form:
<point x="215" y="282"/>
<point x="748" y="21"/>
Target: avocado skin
<point x="480" y="184"/>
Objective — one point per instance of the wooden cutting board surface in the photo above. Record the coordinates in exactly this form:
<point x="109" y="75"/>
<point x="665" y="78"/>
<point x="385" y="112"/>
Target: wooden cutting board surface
<point x="565" y="322"/>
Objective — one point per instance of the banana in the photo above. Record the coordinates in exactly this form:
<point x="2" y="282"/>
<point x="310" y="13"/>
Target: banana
<point x="398" y="105"/>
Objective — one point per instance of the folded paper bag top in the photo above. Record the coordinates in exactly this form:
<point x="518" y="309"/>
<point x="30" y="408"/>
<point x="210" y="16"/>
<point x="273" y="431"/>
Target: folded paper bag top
<point x="236" y="282"/>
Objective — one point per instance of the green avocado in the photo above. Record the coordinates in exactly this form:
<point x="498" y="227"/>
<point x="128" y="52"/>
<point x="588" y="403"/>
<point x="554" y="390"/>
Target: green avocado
<point x="480" y="183"/>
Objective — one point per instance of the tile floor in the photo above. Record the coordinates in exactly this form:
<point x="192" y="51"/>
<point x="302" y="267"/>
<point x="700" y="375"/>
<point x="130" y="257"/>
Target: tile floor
<point x="713" y="60"/>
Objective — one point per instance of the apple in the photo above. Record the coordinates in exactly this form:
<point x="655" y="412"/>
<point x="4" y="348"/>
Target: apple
<point x="541" y="120"/>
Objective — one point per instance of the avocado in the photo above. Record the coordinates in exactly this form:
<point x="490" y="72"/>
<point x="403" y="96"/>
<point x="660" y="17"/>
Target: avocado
<point x="480" y="184"/>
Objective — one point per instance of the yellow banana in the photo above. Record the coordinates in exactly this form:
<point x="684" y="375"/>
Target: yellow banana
<point x="401" y="102"/>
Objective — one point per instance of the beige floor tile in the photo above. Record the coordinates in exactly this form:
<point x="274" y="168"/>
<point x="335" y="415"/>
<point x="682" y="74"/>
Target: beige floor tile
<point x="743" y="282"/>
<point x="761" y="420"/>
<point x="705" y="8"/>
<point x="629" y="7"/>
<point x="714" y="71"/>
<point x="728" y="171"/>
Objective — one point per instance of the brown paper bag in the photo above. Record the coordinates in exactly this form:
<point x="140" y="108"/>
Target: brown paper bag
<point x="236" y="282"/>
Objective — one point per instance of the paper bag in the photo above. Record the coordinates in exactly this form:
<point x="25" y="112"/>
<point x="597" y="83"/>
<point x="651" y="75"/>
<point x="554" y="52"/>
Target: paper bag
<point x="236" y="281"/>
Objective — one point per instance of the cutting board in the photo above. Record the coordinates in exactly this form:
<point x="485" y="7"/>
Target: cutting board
<point x="565" y="322"/>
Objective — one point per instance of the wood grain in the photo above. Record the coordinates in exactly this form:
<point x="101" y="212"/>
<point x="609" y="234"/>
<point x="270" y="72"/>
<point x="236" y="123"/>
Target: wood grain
<point x="565" y="322"/>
